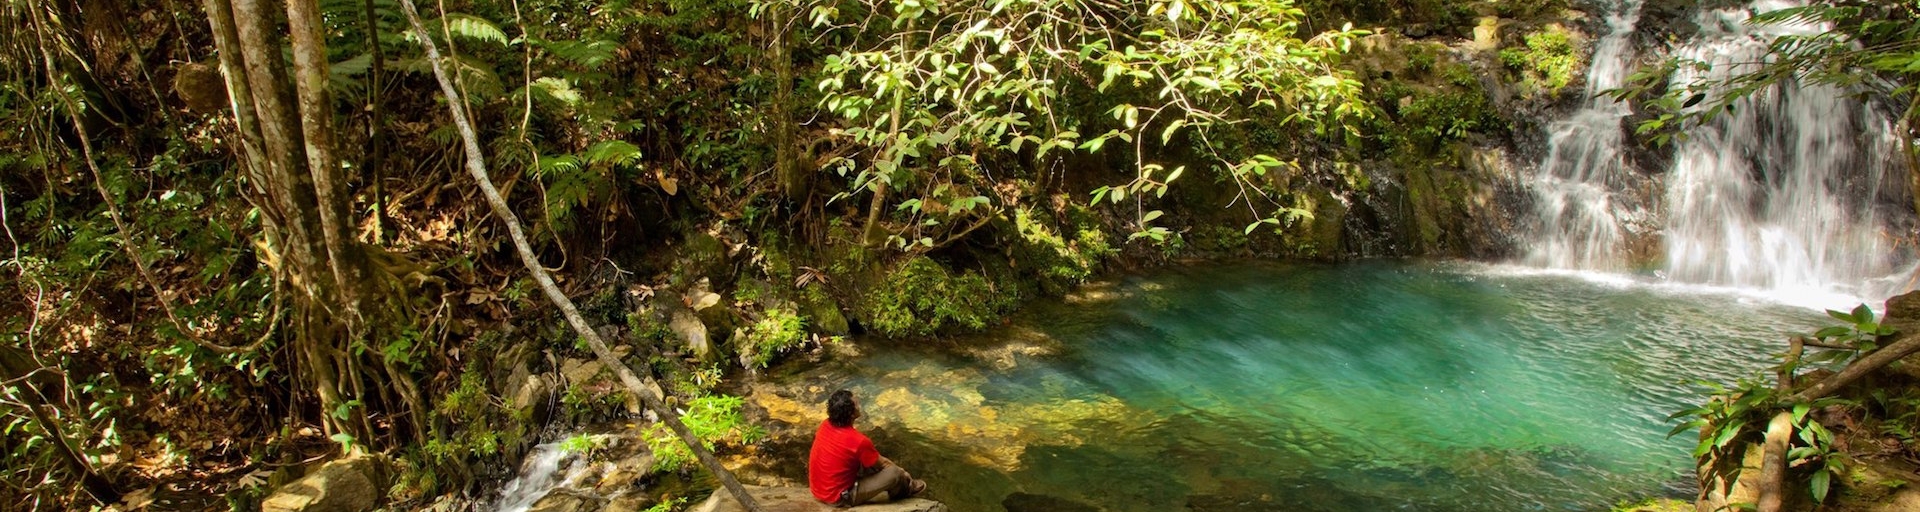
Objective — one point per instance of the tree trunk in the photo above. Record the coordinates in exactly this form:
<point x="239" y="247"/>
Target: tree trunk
<point x="290" y="154"/>
<point x="329" y="186"/>
<point x="786" y="151"/>
<point x="476" y="166"/>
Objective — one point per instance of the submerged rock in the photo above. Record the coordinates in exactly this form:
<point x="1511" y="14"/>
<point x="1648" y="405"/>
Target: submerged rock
<point x="798" y="499"/>
<point x="1024" y="502"/>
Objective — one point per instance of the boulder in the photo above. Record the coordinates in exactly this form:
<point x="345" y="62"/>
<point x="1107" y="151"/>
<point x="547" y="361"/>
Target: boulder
<point x="346" y="485"/>
<point x="688" y="327"/>
<point x="799" y="499"/>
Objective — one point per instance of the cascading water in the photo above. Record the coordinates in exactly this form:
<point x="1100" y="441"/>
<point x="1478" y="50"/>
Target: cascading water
<point x="1584" y="225"/>
<point x="547" y="467"/>
<point x="1777" y="195"/>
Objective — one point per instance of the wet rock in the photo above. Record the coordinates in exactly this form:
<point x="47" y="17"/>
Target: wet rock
<point x="798" y="499"/>
<point x="564" y="502"/>
<point x="347" y="485"/>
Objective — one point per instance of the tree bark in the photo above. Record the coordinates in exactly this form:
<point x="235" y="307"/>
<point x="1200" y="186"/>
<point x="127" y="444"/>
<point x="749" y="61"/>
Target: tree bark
<point x="1906" y="344"/>
<point x="316" y="126"/>
<point x="786" y="152"/>
<point x="476" y="166"/>
<point x="306" y="204"/>
<point x="1773" y="463"/>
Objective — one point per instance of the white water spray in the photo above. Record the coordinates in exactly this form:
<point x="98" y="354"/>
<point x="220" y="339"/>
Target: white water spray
<point x="1776" y="196"/>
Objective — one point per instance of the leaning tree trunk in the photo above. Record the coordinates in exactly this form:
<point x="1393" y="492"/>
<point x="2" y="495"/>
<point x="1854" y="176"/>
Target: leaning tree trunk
<point x="476" y="165"/>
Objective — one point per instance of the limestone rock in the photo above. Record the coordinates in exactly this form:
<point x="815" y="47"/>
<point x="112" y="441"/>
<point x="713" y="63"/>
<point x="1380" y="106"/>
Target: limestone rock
<point x="346" y="485"/>
<point x="1904" y="307"/>
<point x="798" y="499"/>
<point x="580" y="372"/>
<point x="691" y="331"/>
<point x="1486" y="35"/>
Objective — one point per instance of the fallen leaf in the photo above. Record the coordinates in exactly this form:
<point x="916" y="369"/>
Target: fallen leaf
<point x="672" y="186"/>
<point x="136" y="500"/>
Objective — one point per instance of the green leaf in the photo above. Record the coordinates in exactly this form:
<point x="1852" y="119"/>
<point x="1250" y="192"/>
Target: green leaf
<point x="1819" y="483"/>
<point x="1800" y="411"/>
<point x="1862" y="314"/>
<point x="1166" y="136"/>
<point x="1842" y="317"/>
<point x="474" y="27"/>
<point x="1150" y="216"/>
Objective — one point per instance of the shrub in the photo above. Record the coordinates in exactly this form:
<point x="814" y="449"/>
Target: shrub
<point x="778" y="331"/>
<point x="1548" y="60"/>
<point x="921" y="297"/>
<point x="715" y="419"/>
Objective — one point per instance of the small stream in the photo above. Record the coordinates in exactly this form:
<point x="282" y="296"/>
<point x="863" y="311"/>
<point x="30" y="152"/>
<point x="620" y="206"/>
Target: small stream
<point x="1356" y="387"/>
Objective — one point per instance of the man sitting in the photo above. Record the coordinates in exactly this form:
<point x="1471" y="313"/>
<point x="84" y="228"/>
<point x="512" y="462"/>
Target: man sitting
<point x="844" y="469"/>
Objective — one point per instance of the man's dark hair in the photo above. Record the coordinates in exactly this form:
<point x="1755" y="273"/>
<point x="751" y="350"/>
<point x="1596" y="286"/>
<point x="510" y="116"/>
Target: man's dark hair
<point x="840" y="409"/>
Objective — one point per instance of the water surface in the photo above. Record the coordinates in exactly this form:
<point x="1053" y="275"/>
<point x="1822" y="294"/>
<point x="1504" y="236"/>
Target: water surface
<point x="1360" y="387"/>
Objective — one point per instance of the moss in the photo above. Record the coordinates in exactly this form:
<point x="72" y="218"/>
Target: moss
<point x="921" y="297"/>
<point x="1548" y="61"/>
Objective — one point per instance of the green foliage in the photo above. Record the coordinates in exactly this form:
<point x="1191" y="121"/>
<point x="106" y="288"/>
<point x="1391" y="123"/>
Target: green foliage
<point x="1548" y="60"/>
<point x="1866" y="46"/>
<point x="1061" y="262"/>
<point x="1434" y="119"/>
<point x="921" y="297"/>
<point x="580" y="443"/>
<point x="714" y="419"/>
<point x="667" y="506"/>
<point x="932" y="91"/>
<point x="778" y="331"/>
<point x="1741" y="412"/>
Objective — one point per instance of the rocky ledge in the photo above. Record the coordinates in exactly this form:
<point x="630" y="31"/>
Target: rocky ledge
<point x="797" y="499"/>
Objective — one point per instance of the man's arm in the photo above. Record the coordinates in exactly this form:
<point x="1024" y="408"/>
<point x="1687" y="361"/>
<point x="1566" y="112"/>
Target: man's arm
<point x="878" y="465"/>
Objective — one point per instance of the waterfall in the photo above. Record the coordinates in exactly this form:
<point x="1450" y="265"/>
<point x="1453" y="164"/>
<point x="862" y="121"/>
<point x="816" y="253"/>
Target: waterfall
<point x="1583" y="223"/>
<point x="541" y="474"/>
<point x="1778" y="195"/>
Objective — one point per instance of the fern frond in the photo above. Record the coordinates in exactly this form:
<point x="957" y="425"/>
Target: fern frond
<point x="587" y="54"/>
<point x="557" y="90"/>
<point x="559" y="163"/>
<point x="467" y="26"/>
<point x="612" y="152"/>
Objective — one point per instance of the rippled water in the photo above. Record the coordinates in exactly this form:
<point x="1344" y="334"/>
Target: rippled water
<point x="1362" y="387"/>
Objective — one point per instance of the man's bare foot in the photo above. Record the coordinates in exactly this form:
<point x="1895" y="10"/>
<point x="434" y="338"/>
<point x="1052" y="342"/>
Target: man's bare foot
<point x="918" y="486"/>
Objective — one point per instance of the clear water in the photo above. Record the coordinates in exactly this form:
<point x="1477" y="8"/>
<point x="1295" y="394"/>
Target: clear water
<point x="1360" y="387"/>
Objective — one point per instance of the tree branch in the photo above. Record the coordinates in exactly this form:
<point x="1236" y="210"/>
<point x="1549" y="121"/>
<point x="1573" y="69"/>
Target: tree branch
<point x="476" y="166"/>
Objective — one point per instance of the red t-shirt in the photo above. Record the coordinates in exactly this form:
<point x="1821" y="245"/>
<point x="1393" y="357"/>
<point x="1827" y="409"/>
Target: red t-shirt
<point x="835" y="462"/>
